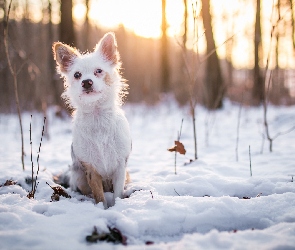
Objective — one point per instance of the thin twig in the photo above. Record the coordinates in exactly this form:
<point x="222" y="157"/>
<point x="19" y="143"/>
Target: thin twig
<point x="180" y="131"/>
<point x="284" y="132"/>
<point x="176" y="192"/>
<point x="262" y="144"/>
<point x="32" y="168"/>
<point x="238" y="130"/>
<point x="209" y="126"/>
<point x="192" y="98"/>
<point x="178" y="138"/>
<point x="265" y="101"/>
<point x="14" y="75"/>
<point x="250" y="161"/>
<point x="195" y="132"/>
<point x="150" y="192"/>
<point x="44" y="121"/>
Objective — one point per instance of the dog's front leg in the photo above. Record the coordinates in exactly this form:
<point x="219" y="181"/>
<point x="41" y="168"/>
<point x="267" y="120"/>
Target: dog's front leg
<point x="119" y="182"/>
<point x="94" y="180"/>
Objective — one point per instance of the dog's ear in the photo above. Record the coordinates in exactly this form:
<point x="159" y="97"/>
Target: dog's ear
<point x="107" y="46"/>
<point x="64" y="56"/>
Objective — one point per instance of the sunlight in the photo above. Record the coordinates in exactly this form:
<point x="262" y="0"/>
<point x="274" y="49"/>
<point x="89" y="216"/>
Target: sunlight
<point x="79" y="11"/>
<point x="106" y="13"/>
<point x="144" y="18"/>
<point x="141" y="17"/>
<point x="175" y="18"/>
<point x="231" y="18"/>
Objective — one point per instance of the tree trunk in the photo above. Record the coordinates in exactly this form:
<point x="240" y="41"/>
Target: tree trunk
<point x="164" y="51"/>
<point x="66" y="31"/>
<point x="258" y="84"/>
<point x="292" y="22"/>
<point x="214" y="88"/>
<point x="86" y="29"/>
<point x="185" y="24"/>
<point x="56" y="83"/>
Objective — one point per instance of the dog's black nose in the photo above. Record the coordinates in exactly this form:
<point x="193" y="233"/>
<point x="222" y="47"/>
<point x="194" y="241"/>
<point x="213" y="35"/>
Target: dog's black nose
<point x="87" y="84"/>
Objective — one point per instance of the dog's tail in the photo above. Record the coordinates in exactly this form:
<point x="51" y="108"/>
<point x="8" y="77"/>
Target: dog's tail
<point x="63" y="179"/>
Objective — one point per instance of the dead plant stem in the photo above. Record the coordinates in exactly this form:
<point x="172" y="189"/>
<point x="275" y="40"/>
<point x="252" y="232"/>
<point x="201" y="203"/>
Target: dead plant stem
<point x="32" y="167"/>
<point x="38" y="157"/>
<point x="14" y="75"/>
<point x="178" y="138"/>
<point x="238" y="131"/>
<point x="250" y="161"/>
<point x="265" y="101"/>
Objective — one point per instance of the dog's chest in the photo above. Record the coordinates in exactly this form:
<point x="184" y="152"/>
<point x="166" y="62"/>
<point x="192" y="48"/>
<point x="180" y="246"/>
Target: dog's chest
<point x="96" y="141"/>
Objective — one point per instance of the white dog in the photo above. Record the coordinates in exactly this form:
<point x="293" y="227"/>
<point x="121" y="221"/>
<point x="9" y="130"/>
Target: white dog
<point x="101" y="136"/>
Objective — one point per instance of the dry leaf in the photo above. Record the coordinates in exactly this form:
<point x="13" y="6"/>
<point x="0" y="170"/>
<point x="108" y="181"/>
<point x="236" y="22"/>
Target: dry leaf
<point x="179" y="147"/>
<point x="31" y="195"/>
<point x="114" y="236"/>
<point x="9" y="183"/>
<point x="58" y="191"/>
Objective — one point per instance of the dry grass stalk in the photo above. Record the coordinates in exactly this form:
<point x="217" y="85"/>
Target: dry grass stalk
<point x="14" y="74"/>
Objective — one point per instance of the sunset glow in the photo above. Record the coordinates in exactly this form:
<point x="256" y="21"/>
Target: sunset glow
<point x="144" y="19"/>
<point x="231" y="18"/>
<point x="139" y="16"/>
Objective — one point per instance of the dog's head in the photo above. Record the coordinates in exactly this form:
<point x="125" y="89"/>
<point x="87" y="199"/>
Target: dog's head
<point x="91" y="79"/>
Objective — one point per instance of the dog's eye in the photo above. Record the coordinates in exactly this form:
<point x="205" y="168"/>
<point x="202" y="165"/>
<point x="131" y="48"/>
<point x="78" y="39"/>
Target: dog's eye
<point x="77" y="75"/>
<point x="97" y="72"/>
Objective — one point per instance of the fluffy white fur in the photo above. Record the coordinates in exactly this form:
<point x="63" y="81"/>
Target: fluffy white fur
<point x="101" y="135"/>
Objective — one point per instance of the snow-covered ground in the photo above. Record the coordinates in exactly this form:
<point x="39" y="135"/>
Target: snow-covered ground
<point x="211" y="203"/>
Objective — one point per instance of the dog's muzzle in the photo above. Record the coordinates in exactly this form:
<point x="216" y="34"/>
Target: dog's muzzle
<point x="87" y="85"/>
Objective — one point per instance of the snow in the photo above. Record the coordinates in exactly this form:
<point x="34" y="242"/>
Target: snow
<point x="202" y="206"/>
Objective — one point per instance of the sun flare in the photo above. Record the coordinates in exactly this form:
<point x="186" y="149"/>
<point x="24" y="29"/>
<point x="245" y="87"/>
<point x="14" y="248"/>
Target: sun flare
<point x="231" y="18"/>
<point x="139" y="16"/>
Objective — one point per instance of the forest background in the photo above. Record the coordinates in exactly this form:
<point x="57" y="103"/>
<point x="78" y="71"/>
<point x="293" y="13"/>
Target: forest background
<point x="199" y="51"/>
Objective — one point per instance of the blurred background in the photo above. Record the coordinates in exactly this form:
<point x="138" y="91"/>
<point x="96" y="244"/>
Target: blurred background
<point x="197" y="51"/>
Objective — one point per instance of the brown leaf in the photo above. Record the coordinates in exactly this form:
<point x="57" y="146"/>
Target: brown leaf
<point x="114" y="236"/>
<point x="30" y="195"/>
<point x="9" y="183"/>
<point x="58" y="191"/>
<point x="173" y="149"/>
<point x="55" y="197"/>
<point x="179" y="147"/>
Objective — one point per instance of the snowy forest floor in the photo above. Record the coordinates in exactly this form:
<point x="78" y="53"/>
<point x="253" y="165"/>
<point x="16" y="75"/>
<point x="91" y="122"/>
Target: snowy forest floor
<point x="211" y="203"/>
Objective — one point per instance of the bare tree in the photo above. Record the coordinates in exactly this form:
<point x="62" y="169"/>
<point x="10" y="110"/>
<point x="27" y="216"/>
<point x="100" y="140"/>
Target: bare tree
<point x="185" y="24"/>
<point x="66" y="31"/>
<point x="277" y="85"/>
<point x="164" y="51"/>
<point x="55" y="82"/>
<point x="268" y="78"/>
<point x="258" y="81"/>
<point x="191" y="67"/>
<point x="230" y="29"/>
<point x="292" y="22"/>
<point x="214" y="87"/>
<point x="87" y="26"/>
